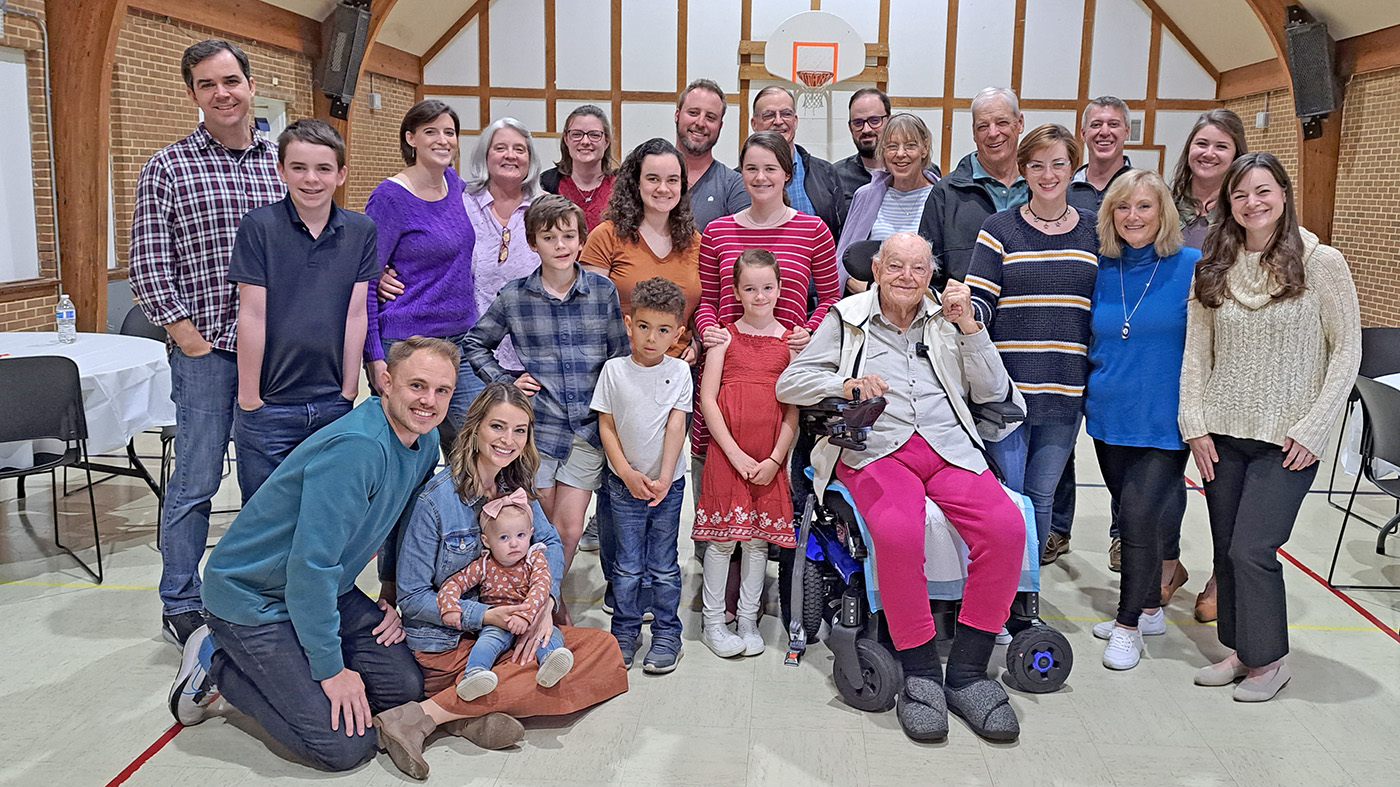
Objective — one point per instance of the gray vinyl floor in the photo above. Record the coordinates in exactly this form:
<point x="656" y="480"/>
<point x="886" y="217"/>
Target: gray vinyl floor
<point x="83" y="687"/>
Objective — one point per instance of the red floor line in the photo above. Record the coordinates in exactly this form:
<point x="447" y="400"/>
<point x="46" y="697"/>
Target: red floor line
<point x="1348" y="600"/>
<point x="150" y="752"/>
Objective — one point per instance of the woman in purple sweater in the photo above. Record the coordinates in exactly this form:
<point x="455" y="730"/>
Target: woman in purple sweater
<point x="425" y="235"/>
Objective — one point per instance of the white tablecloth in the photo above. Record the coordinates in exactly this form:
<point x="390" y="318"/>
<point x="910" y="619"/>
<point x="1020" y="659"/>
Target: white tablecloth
<point x="1350" y="452"/>
<point x="126" y="386"/>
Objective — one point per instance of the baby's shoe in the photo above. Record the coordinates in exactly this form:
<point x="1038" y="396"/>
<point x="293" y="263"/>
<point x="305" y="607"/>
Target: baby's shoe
<point x="476" y="682"/>
<point x="753" y="640"/>
<point x="554" y="667"/>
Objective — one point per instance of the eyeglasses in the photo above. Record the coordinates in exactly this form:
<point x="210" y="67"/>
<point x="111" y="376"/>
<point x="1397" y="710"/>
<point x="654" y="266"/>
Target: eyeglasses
<point x="874" y="122"/>
<point x="1038" y="168"/>
<point x="770" y="115"/>
<point x="892" y="148"/>
<point x="505" y="246"/>
<point x="578" y="136"/>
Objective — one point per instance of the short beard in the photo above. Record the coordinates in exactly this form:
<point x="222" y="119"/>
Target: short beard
<point x="683" y="142"/>
<point x="867" y="151"/>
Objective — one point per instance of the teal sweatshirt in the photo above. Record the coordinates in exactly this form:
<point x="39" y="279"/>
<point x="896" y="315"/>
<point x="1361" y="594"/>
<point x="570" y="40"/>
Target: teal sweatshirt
<point x="313" y="526"/>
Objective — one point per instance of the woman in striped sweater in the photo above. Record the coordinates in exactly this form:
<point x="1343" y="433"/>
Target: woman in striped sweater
<point x="1032" y="276"/>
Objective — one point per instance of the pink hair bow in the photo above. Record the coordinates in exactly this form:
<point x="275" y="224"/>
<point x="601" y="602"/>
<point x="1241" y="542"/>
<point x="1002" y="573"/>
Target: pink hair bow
<point x="516" y="498"/>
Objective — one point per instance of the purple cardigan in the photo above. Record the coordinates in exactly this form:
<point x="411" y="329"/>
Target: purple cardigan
<point x="865" y="208"/>
<point x="429" y="245"/>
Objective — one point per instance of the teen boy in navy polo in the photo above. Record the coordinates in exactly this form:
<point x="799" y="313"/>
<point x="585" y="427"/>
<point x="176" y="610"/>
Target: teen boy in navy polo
<point x="302" y="266"/>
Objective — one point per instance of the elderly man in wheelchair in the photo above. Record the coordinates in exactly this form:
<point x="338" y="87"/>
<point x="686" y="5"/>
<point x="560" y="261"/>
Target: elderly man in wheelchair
<point x="932" y="363"/>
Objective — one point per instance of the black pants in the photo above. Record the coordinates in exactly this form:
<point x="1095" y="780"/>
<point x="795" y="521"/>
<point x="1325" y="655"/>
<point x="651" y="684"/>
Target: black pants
<point x="1253" y="503"/>
<point x="1150" y="488"/>
<point x="263" y="671"/>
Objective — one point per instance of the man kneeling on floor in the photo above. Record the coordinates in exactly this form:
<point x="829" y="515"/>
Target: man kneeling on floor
<point x="290" y="640"/>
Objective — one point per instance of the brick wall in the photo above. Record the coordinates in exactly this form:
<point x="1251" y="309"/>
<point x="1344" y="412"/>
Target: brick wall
<point x="1366" y="219"/>
<point x="150" y="108"/>
<point x="34" y="312"/>
<point x="1366" y="222"/>
<point x="374" y="145"/>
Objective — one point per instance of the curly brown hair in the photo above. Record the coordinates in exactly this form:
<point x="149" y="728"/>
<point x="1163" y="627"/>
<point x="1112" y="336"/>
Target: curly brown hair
<point x="520" y="473"/>
<point x="1282" y="257"/>
<point x="625" y="208"/>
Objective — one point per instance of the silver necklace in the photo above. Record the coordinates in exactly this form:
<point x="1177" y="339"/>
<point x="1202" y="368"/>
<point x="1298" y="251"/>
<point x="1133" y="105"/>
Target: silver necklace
<point x="1128" y="315"/>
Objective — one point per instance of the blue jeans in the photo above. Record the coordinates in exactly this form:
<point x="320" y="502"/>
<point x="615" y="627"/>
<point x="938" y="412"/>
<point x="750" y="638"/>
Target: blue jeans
<point x="264" y="437"/>
<point x="494" y="640"/>
<point x="646" y="547"/>
<point x="263" y="671"/>
<point x="468" y="387"/>
<point x="205" y="392"/>
<point x="1031" y="461"/>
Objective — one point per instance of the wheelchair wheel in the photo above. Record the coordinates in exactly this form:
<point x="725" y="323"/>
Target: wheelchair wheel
<point x="819" y="588"/>
<point x="1038" y="660"/>
<point x="881" y="679"/>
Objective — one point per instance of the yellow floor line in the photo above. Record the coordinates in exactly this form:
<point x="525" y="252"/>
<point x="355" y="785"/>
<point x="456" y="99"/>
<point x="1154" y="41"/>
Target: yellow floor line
<point x="36" y="583"/>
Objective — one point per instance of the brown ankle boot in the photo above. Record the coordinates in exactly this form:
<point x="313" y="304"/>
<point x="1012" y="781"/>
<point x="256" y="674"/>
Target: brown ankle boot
<point x="402" y="731"/>
<point x="492" y="731"/>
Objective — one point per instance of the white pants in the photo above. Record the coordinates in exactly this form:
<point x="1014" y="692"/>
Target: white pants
<point x="753" y="569"/>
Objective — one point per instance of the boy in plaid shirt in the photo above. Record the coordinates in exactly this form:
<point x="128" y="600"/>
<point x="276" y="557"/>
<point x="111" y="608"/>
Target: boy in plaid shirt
<point x="564" y="322"/>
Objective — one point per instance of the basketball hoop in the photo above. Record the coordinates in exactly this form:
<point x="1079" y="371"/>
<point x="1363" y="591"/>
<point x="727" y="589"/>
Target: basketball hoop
<point x="813" y="87"/>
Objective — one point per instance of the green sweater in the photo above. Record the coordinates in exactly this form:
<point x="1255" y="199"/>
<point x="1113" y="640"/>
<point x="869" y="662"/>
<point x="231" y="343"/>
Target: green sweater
<point x="301" y="541"/>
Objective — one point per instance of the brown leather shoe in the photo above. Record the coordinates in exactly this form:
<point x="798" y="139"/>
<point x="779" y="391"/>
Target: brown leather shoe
<point x="402" y="731"/>
<point x="1115" y="555"/>
<point x="492" y="731"/>
<point x="1205" y="608"/>
<point x="1055" y="545"/>
<point x="1178" y="579"/>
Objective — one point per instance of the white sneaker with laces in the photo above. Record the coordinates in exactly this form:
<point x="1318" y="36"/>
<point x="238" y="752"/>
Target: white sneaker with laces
<point x="1148" y="625"/>
<point x="718" y="638"/>
<point x="1124" y="649"/>
<point x="753" y="640"/>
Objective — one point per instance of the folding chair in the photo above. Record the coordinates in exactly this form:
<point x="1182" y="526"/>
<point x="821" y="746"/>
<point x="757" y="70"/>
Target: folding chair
<point x="41" y="398"/>
<point x="1380" y="356"/>
<point x="1380" y="406"/>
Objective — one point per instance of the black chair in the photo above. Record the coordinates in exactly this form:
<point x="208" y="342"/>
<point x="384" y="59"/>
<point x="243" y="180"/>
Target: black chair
<point x="1380" y="356"/>
<point x="41" y="398"/>
<point x="1380" y="406"/>
<point x="136" y="324"/>
<point x="857" y="259"/>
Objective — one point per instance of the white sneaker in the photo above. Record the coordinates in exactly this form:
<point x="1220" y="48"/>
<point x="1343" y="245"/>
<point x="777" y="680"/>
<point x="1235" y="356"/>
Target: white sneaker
<point x="1124" y="648"/>
<point x="718" y="638"/>
<point x="1148" y="625"/>
<point x="1004" y="636"/>
<point x="753" y="640"/>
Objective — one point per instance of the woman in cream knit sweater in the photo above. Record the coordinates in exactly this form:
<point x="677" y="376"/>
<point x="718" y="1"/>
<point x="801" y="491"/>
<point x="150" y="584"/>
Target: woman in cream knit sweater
<point x="1273" y="343"/>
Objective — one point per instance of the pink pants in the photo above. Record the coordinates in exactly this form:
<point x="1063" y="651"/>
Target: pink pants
<point x="890" y="495"/>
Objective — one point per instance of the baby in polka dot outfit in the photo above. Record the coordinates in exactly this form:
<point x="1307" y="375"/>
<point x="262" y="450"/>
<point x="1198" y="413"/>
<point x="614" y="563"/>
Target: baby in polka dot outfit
<point x="511" y="572"/>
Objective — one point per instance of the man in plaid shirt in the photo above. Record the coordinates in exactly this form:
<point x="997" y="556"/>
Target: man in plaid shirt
<point x="189" y="200"/>
<point x="564" y="322"/>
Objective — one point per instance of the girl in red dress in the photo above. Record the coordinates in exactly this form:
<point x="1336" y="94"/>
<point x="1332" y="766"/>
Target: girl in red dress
<point x="744" y="494"/>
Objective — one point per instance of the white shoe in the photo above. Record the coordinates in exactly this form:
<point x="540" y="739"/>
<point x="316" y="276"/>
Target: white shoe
<point x="1124" y="648"/>
<point x="556" y="665"/>
<point x="753" y="640"/>
<point x="1148" y="625"/>
<point x="478" y="682"/>
<point x="718" y="638"/>
<point x="1004" y="636"/>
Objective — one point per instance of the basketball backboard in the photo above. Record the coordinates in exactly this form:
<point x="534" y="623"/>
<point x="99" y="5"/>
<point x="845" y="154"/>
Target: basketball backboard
<point x="812" y="43"/>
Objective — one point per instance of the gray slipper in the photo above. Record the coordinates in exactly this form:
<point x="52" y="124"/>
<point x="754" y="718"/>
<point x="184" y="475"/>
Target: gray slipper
<point x="922" y="710"/>
<point x="986" y="708"/>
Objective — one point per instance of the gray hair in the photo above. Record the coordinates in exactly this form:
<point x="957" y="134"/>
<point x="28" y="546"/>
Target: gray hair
<point x="1004" y="94"/>
<point x="476" y="167"/>
<point x="923" y="244"/>
<point x="1106" y="102"/>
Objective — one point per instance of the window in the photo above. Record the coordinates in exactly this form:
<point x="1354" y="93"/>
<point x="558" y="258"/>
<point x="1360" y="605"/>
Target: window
<point x="19" y="242"/>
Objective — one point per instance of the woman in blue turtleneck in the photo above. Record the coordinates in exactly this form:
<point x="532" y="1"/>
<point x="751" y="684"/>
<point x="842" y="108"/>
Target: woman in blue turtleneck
<point x="1138" y="335"/>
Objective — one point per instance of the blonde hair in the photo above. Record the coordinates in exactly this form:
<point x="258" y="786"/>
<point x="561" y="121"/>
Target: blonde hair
<point x="519" y="473"/>
<point x="1168" y="240"/>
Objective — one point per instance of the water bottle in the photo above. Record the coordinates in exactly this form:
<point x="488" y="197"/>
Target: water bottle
<point x="67" y="320"/>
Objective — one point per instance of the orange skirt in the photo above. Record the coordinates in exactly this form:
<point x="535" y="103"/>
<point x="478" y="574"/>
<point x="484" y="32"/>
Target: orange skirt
<point x="597" y="675"/>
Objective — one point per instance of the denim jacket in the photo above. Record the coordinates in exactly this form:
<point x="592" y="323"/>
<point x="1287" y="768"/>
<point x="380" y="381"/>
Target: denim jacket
<point x="440" y="537"/>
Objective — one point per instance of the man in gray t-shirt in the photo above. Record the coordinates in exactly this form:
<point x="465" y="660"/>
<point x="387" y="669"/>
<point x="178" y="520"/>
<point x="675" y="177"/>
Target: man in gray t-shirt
<point x="715" y="190"/>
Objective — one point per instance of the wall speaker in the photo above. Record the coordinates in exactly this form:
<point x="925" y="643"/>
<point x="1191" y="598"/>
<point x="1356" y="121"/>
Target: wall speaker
<point x="343" y="37"/>
<point x="1312" y="63"/>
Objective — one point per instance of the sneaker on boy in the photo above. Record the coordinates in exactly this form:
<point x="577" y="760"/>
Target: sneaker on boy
<point x="302" y="266"/>
<point x="642" y="401"/>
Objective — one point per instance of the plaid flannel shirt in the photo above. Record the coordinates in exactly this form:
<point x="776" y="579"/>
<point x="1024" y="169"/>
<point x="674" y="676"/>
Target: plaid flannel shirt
<point x="190" y="198"/>
<point x="562" y="343"/>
